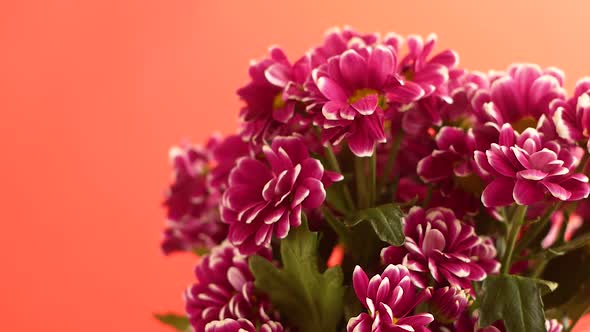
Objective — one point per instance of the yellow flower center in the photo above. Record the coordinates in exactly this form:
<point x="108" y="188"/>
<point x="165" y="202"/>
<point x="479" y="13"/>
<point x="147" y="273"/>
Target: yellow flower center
<point x="362" y="93"/>
<point x="464" y="122"/>
<point x="524" y="123"/>
<point x="470" y="183"/>
<point x="278" y="101"/>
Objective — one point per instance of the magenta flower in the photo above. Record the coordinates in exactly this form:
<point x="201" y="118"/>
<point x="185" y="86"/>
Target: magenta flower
<point x="451" y="158"/>
<point x="449" y="104"/>
<point x="225" y="289"/>
<point x="525" y="169"/>
<point x="553" y="325"/>
<point x="224" y="153"/>
<point x="468" y="323"/>
<point x="463" y="87"/>
<point x="352" y="90"/>
<point x="409" y="189"/>
<point x="449" y="303"/>
<point x="272" y="95"/>
<point x="429" y="73"/>
<point x="453" y="196"/>
<point x="440" y="245"/>
<point x="339" y="40"/>
<point x="562" y="229"/>
<point x="414" y="149"/>
<point x="390" y="299"/>
<point x="192" y="217"/>
<point x="452" y="168"/>
<point x="189" y="187"/>
<point x="266" y="199"/>
<point x="242" y="325"/>
<point x="432" y="74"/>
<point x="519" y="97"/>
<point x="572" y="117"/>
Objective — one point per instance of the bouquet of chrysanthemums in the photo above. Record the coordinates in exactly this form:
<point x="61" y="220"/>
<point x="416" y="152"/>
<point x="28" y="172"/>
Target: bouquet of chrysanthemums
<point x="374" y="186"/>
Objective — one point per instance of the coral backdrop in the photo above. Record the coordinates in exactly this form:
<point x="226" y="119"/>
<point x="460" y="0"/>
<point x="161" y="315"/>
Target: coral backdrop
<point x="92" y="94"/>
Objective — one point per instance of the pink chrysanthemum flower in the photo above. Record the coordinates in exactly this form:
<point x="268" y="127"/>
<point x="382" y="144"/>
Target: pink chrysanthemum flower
<point x="553" y="325"/>
<point x="462" y="86"/>
<point x="450" y="104"/>
<point x="451" y="158"/>
<point x="272" y="95"/>
<point x="520" y="97"/>
<point x="390" y="299"/>
<point x="440" y="245"/>
<point x="572" y="117"/>
<point x="224" y="151"/>
<point x="449" y="303"/>
<point x="225" y="289"/>
<point x="452" y="168"/>
<point x="352" y="91"/>
<point x="562" y="229"/>
<point x="192" y="217"/>
<point x="267" y="198"/>
<point x="437" y="77"/>
<point x="337" y="41"/>
<point x="428" y="72"/>
<point x="467" y="322"/>
<point x="524" y="169"/>
<point x="242" y="325"/>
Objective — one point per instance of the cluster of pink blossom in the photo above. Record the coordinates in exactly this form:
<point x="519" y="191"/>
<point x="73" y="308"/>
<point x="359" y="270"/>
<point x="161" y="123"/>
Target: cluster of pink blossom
<point x="361" y="122"/>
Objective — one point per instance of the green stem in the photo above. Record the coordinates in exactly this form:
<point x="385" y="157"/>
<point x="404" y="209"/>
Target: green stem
<point x="335" y="166"/>
<point x="344" y="234"/>
<point x="360" y="175"/>
<point x="515" y="225"/>
<point x="537" y="228"/>
<point x="504" y="214"/>
<point x="397" y="141"/>
<point x="539" y="269"/>
<point x="372" y="187"/>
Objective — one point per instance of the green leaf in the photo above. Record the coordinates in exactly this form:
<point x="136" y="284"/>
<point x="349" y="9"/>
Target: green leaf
<point x="352" y="306"/>
<point x="572" y="271"/>
<point x="176" y="321"/>
<point x="344" y="233"/>
<point x="311" y="300"/>
<point x="515" y="300"/>
<point x="386" y="221"/>
<point x="335" y="197"/>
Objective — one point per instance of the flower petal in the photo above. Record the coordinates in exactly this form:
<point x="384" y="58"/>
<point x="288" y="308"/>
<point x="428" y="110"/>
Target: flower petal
<point x="531" y="174"/>
<point x="353" y="69"/>
<point x="406" y="93"/>
<point x="498" y="192"/>
<point x="367" y="104"/>
<point x="277" y="74"/>
<point x="500" y="163"/>
<point x="557" y="191"/>
<point x="381" y="65"/>
<point x="360" y="282"/>
<point x="317" y="193"/>
<point x="527" y="192"/>
<point x="331" y="89"/>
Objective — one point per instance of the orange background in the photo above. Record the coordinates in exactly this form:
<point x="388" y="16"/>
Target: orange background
<point x="92" y="94"/>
